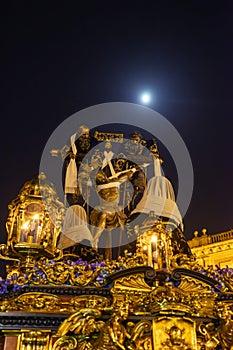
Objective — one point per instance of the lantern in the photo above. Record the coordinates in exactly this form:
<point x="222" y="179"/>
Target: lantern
<point x="34" y="221"/>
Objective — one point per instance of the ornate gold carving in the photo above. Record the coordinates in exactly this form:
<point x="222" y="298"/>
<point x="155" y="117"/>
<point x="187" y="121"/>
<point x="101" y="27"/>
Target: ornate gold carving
<point x="82" y="321"/>
<point x="90" y="302"/>
<point x="96" y="334"/>
<point x="45" y="302"/>
<point x="189" y="284"/>
<point x="175" y="339"/>
<point x="32" y="302"/>
<point x="225" y="330"/>
<point x="169" y="298"/>
<point x="210" y="339"/>
<point x="114" y="333"/>
<point x="131" y="289"/>
<point x="227" y="281"/>
<point x="56" y="273"/>
<point x="83" y="326"/>
<point x="34" y="340"/>
<point x="107" y="136"/>
<point x="174" y="333"/>
<point x="136" y="281"/>
<point x="140" y="335"/>
<point x="34" y="223"/>
<point x="171" y="309"/>
<point x="64" y="343"/>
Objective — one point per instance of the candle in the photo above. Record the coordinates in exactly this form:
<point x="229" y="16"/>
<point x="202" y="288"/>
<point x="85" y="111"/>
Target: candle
<point x="154" y="251"/>
<point x="24" y="231"/>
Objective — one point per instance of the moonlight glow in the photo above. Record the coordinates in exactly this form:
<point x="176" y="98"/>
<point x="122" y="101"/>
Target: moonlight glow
<point x="145" y="98"/>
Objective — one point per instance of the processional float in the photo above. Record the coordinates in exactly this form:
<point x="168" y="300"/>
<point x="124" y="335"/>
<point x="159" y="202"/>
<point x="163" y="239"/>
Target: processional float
<point x="110" y="267"/>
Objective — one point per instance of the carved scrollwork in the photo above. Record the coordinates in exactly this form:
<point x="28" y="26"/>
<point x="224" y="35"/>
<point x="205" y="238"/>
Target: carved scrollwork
<point x="79" y="331"/>
<point x="80" y="277"/>
<point x="92" y="333"/>
<point x="32" y="302"/>
<point x="210" y="339"/>
<point x="92" y="302"/>
<point x="82" y="322"/>
<point x="225" y="330"/>
<point x="136" y="281"/>
<point x="140" y="336"/>
<point x="65" y="343"/>
<point x="205" y="281"/>
<point x="190" y="284"/>
<point x="56" y="273"/>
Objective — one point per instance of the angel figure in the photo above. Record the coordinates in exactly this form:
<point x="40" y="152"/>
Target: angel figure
<point x="84" y="325"/>
<point x="114" y="334"/>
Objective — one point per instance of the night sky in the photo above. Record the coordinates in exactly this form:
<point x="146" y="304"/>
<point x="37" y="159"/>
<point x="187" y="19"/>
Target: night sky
<point x="59" y="59"/>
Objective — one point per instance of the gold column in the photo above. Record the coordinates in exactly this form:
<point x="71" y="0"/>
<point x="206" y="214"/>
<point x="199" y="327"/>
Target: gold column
<point x="34" y="340"/>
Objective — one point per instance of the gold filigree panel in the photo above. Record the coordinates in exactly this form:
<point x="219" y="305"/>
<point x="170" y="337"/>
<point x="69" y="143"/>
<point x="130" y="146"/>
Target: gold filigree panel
<point x="174" y="333"/>
<point x="43" y="302"/>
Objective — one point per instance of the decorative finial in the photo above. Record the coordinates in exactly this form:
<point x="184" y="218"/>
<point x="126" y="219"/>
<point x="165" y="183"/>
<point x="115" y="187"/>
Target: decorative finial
<point x="204" y="231"/>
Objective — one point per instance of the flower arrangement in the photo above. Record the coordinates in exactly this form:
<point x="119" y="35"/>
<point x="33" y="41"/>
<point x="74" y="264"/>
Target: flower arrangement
<point x="92" y="274"/>
<point x="66" y="272"/>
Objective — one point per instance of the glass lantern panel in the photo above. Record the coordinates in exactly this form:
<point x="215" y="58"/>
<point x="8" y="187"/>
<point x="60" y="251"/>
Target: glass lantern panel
<point x="32" y="223"/>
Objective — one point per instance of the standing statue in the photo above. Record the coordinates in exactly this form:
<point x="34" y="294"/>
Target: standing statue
<point x="136" y="144"/>
<point x="84" y="326"/>
<point x="225" y="330"/>
<point x="80" y="145"/>
<point x="114" y="334"/>
<point x="108" y="215"/>
<point x="85" y="330"/>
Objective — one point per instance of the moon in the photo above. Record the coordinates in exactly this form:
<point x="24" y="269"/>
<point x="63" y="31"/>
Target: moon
<point x="145" y="98"/>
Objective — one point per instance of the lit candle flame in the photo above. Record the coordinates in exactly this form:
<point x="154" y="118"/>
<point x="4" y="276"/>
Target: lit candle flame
<point x="154" y="239"/>
<point x="25" y="225"/>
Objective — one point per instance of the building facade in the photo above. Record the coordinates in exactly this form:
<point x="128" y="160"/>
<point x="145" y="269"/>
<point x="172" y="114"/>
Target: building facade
<point x="215" y="249"/>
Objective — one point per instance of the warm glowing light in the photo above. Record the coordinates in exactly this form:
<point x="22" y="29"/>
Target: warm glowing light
<point x="154" y="239"/>
<point x="25" y="225"/>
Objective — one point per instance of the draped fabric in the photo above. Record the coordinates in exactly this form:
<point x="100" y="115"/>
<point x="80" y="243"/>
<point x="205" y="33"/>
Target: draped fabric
<point x="71" y="179"/>
<point x="107" y="158"/>
<point x="107" y="161"/>
<point x="157" y="167"/>
<point x="75" y="228"/>
<point x="159" y="197"/>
